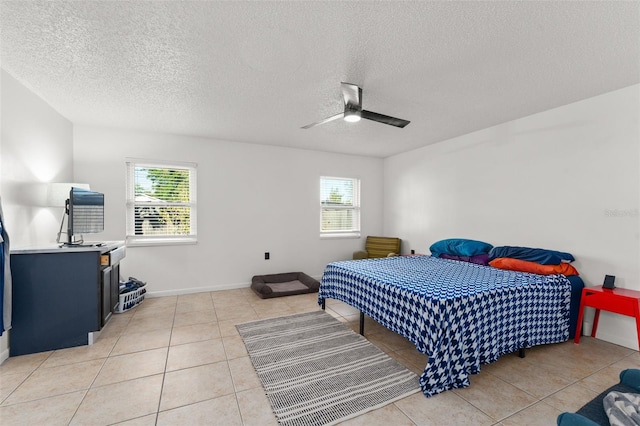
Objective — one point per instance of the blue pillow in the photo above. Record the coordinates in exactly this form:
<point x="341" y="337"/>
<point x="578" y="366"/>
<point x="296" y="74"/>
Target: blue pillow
<point x="459" y="247"/>
<point x="537" y="255"/>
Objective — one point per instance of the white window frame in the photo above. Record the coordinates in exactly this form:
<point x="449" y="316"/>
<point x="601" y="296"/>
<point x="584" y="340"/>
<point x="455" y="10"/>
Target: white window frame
<point x="160" y="240"/>
<point x="355" y="231"/>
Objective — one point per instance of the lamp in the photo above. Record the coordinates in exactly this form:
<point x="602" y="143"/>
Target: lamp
<point x="57" y="196"/>
<point x="352" y="115"/>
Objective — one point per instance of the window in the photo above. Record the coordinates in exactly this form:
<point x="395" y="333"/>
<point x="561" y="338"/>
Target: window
<point x="339" y="207"/>
<point x="161" y="203"/>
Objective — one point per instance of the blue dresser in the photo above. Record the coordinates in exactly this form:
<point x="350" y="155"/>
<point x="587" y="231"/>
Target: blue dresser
<point x="62" y="295"/>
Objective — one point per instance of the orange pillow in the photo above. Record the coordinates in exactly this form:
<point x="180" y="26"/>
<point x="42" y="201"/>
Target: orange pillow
<point x="532" y="267"/>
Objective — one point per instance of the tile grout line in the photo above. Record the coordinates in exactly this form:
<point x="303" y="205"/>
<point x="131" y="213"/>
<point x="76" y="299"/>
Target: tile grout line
<point x="235" y="390"/>
<point x="574" y="382"/>
<point x="166" y="363"/>
<point x="86" y="391"/>
<point x="23" y="381"/>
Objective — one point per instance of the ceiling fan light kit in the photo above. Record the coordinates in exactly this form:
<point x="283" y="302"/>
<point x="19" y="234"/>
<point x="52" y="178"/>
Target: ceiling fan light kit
<point x="352" y="116"/>
<point x="353" y="111"/>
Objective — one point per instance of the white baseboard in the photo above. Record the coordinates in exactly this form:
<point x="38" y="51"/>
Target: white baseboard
<point x="178" y="292"/>
<point x="626" y="341"/>
<point x="181" y="291"/>
<point x="4" y="355"/>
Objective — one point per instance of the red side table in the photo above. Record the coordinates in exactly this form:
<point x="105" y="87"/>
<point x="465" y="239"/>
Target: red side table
<point x="619" y="301"/>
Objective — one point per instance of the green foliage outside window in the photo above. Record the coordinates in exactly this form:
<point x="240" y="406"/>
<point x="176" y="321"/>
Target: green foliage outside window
<point x="155" y="187"/>
<point x="339" y="200"/>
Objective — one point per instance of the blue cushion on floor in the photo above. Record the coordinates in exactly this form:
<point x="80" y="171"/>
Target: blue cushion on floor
<point x="592" y="413"/>
<point x="594" y="409"/>
<point x="573" y="419"/>
<point x="631" y="377"/>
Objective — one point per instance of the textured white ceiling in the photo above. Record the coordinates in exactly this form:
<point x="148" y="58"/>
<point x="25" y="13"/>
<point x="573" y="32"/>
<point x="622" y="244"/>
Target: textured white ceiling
<point x="258" y="71"/>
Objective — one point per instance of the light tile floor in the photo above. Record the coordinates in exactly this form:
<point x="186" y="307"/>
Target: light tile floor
<point x="180" y="361"/>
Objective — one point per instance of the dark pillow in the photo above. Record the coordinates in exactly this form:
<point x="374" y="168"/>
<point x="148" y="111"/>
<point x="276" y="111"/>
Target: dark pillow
<point x="479" y="259"/>
<point x="459" y="247"/>
<point x="533" y="267"/>
<point x="537" y="255"/>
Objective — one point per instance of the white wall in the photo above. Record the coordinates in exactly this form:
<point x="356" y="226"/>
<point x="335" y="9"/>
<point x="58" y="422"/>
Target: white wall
<point x="251" y="199"/>
<point x="36" y="148"/>
<point x="566" y="179"/>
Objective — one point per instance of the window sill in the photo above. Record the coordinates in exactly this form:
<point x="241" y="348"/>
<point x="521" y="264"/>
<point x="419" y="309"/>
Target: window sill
<point x="160" y="241"/>
<point x="350" y="235"/>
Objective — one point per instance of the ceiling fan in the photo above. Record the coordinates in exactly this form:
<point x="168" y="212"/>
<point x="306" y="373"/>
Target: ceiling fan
<point x="353" y="111"/>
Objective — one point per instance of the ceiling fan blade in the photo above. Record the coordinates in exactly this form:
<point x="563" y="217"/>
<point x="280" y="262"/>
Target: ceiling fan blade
<point x="326" y="120"/>
<point x="381" y="118"/>
<point x="352" y="95"/>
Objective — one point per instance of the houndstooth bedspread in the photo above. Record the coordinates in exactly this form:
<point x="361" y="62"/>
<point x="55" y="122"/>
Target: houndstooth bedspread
<point x="460" y="314"/>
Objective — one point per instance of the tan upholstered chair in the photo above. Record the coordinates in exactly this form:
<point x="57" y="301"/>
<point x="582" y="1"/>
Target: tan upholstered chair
<point x="379" y="247"/>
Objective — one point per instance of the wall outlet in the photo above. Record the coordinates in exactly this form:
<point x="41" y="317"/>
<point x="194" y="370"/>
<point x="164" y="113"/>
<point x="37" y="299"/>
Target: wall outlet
<point x="413" y="251"/>
<point x="266" y="255"/>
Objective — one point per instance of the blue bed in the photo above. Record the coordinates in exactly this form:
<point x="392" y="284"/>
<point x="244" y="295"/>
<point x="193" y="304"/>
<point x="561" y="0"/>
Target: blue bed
<point x="460" y="314"/>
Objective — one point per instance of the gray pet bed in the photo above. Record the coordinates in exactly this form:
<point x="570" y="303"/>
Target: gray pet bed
<point x="286" y="284"/>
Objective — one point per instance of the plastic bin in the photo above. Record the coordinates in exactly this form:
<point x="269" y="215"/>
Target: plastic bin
<point x="131" y="299"/>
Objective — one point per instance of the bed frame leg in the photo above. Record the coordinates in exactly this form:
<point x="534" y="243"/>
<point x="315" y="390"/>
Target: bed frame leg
<point x="362" y="323"/>
<point x="521" y="353"/>
<point x="324" y="304"/>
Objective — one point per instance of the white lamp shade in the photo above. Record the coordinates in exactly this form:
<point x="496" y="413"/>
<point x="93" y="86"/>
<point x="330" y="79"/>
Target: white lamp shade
<point x="57" y="193"/>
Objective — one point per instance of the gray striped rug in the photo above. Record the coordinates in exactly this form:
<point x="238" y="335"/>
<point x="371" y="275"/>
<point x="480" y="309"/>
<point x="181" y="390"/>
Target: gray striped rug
<point x="316" y="371"/>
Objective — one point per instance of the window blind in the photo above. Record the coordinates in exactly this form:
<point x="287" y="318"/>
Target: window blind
<point x="339" y="206"/>
<point x="161" y="203"/>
